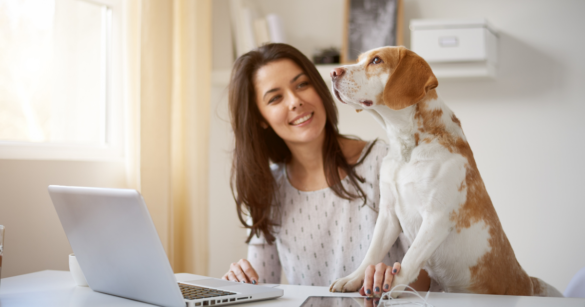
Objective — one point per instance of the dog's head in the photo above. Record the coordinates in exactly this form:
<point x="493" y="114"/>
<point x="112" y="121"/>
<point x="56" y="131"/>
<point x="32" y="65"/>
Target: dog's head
<point x="391" y="76"/>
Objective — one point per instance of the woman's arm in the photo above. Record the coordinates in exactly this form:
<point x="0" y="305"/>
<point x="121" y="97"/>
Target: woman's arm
<point x="264" y="258"/>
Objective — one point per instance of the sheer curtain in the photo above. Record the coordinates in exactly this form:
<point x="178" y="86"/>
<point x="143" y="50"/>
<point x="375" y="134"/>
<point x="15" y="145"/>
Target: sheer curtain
<point x="168" y="81"/>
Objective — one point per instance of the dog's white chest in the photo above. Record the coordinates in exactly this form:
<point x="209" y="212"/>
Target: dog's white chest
<point x="422" y="185"/>
<point x="400" y="187"/>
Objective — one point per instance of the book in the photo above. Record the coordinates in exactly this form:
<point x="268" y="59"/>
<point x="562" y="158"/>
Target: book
<point x="261" y="31"/>
<point x="242" y="18"/>
<point x="275" y="28"/>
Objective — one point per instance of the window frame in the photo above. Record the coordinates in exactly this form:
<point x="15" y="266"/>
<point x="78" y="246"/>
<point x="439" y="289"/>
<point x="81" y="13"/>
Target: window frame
<point x="115" y="107"/>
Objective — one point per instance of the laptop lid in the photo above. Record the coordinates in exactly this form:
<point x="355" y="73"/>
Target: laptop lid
<point x="116" y="243"/>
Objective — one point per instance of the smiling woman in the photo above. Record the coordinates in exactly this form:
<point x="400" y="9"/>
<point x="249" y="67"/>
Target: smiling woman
<point x="268" y="89"/>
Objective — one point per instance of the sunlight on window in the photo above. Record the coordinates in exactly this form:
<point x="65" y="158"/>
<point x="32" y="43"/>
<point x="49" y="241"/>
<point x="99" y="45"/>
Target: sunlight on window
<point x="53" y="71"/>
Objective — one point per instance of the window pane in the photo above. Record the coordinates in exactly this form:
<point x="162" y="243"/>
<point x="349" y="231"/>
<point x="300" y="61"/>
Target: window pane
<point x="53" y="71"/>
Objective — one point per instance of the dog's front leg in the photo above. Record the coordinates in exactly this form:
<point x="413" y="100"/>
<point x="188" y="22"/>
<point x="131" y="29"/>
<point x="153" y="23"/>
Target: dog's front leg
<point x="434" y="230"/>
<point x="385" y="234"/>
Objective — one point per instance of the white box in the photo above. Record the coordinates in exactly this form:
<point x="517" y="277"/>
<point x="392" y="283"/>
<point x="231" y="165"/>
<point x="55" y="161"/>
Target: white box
<point x="456" y="48"/>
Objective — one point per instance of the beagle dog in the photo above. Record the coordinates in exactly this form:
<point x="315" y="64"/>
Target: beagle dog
<point x="430" y="186"/>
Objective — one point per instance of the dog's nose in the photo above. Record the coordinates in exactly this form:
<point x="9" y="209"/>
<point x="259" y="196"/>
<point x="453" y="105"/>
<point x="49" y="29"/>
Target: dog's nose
<point x="337" y="72"/>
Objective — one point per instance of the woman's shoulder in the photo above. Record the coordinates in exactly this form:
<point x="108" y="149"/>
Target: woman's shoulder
<point x="381" y="146"/>
<point x="369" y="169"/>
<point x="374" y="150"/>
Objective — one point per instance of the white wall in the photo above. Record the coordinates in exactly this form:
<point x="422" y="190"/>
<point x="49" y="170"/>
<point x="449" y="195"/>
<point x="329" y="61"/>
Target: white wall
<point x="525" y="127"/>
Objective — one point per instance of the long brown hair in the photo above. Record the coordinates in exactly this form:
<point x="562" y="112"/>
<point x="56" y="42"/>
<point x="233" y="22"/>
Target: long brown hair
<point x="257" y="147"/>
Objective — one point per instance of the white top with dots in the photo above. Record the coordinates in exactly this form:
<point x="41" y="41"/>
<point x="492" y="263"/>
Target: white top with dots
<point x="323" y="237"/>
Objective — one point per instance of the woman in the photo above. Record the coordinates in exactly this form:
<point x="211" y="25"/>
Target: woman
<point x="311" y="193"/>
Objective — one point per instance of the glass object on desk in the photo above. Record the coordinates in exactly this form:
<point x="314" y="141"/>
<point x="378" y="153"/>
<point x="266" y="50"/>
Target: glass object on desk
<point x="1" y="247"/>
<point x="339" y="301"/>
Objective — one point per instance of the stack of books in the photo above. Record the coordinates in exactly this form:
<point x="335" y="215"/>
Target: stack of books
<point x="251" y="30"/>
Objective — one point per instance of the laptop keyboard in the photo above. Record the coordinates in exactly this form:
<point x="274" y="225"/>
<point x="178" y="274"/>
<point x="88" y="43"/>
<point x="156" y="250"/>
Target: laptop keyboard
<point x="191" y="292"/>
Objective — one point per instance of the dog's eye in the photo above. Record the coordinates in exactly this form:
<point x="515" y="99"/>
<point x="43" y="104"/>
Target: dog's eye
<point x="376" y="60"/>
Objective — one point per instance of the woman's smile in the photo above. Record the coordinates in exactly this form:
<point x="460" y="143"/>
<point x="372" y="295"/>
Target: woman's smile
<point x="302" y="120"/>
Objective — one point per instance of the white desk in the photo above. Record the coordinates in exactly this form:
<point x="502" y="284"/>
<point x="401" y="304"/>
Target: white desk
<point x="56" y="288"/>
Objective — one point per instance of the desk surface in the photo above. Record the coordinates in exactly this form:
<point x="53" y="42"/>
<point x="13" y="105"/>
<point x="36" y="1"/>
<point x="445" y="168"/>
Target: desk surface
<point x="56" y="288"/>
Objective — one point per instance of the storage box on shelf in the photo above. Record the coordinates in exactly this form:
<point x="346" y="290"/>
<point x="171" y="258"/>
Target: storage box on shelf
<point x="456" y="48"/>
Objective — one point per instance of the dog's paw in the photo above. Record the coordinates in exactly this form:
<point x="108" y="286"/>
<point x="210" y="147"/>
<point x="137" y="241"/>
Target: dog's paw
<point x="347" y="284"/>
<point x="397" y="292"/>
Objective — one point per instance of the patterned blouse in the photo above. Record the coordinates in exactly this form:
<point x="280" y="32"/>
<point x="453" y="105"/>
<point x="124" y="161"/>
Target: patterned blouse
<point x="321" y="236"/>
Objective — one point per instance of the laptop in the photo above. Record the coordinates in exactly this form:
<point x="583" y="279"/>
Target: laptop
<point x="120" y="253"/>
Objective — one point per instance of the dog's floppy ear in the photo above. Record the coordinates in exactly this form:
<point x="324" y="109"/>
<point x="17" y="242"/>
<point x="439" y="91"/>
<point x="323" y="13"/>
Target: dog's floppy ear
<point x="409" y="82"/>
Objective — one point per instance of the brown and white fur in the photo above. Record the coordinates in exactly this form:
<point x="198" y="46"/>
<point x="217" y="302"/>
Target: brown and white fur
<point x="430" y="186"/>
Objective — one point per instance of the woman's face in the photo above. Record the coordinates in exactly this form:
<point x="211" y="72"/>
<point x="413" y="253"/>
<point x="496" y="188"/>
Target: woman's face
<point x="289" y="103"/>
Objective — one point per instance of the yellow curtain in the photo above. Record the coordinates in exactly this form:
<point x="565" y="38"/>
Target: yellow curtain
<point x="168" y="83"/>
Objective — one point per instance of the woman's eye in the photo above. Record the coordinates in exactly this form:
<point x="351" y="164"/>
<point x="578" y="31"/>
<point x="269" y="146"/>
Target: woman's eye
<point x="303" y="84"/>
<point x="273" y="99"/>
<point x="376" y="60"/>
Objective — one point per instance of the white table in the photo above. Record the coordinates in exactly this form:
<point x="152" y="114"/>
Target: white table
<point x="56" y="288"/>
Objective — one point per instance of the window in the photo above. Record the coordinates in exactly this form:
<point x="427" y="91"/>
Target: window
<point x="60" y="79"/>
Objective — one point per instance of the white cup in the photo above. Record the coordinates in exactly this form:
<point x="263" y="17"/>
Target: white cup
<point x="76" y="271"/>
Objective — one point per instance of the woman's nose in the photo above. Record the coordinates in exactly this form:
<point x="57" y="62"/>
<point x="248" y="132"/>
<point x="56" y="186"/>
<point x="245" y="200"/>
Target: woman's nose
<point x="295" y="102"/>
<point x="337" y="72"/>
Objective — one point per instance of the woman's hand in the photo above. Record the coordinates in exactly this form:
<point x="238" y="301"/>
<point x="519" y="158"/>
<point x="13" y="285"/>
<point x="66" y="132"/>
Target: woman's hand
<point x="242" y="271"/>
<point x="379" y="278"/>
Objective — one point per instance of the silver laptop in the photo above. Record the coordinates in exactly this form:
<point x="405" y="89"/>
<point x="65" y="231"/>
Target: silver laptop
<point x="120" y="253"/>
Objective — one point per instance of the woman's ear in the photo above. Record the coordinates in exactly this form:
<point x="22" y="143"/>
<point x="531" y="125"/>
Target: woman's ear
<point x="264" y="125"/>
<point x="409" y="82"/>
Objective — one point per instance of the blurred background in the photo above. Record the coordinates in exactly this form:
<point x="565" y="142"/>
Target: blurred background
<point x="133" y="94"/>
